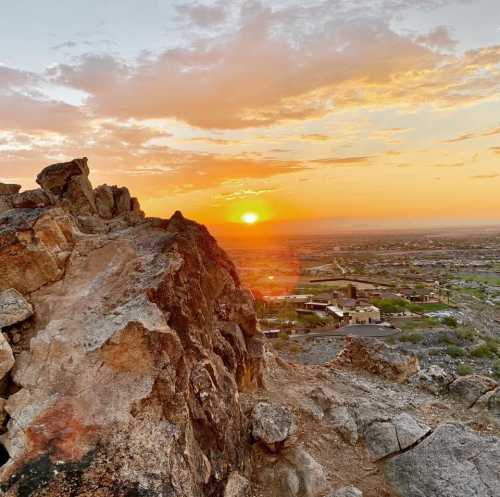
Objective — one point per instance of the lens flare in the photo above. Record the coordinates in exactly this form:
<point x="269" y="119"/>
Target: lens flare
<point x="249" y="218"/>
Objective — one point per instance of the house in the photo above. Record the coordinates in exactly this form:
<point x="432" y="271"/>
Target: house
<point x="345" y="312"/>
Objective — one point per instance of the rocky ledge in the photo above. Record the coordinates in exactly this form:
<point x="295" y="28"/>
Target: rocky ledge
<point x="125" y="343"/>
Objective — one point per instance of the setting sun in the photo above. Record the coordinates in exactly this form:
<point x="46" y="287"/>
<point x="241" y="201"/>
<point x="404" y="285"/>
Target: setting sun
<point x="249" y="218"/>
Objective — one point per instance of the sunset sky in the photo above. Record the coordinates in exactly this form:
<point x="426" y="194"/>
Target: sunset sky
<point x="384" y="112"/>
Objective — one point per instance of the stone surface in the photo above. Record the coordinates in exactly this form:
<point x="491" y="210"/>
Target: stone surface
<point x="434" y="379"/>
<point x="6" y="356"/>
<point x="383" y="438"/>
<point x="14" y="308"/>
<point x="237" y="486"/>
<point x="34" y="245"/>
<point x="452" y="462"/>
<point x="344" y="424"/>
<point x="310" y="473"/>
<point x="470" y="388"/>
<point x="374" y="356"/>
<point x="271" y="423"/>
<point x="9" y="189"/>
<point x="349" y="491"/>
<point x="141" y="341"/>
<point x="31" y="199"/>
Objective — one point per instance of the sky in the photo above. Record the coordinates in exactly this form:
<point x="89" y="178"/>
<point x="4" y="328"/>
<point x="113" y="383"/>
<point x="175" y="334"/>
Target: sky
<point x="360" y="113"/>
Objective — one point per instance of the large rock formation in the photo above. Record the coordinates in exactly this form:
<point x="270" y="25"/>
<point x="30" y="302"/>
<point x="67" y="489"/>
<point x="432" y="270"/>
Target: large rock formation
<point x="453" y="462"/>
<point x="127" y="382"/>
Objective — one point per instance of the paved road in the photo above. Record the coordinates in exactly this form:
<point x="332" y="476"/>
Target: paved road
<point x="360" y="330"/>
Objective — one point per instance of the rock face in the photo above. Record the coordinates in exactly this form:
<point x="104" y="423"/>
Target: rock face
<point x="374" y="356"/>
<point x="434" y="379"/>
<point x="14" y="308"/>
<point x="141" y="340"/>
<point x="6" y="357"/>
<point x="453" y="462"/>
<point x="237" y="486"/>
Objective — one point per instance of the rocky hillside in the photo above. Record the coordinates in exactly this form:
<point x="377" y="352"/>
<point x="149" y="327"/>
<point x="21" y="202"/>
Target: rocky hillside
<point x="131" y="366"/>
<point x="124" y="344"/>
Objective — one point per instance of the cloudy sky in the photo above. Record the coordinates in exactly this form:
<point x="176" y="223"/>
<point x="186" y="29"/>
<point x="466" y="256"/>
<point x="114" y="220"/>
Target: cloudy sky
<point x="381" y="110"/>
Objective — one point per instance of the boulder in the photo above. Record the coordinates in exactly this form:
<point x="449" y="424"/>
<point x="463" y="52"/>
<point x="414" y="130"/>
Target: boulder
<point x="105" y="201"/>
<point x="14" y="308"/>
<point x="272" y="424"/>
<point x="6" y="357"/>
<point x="310" y="473"/>
<point x="434" y="379"/>
<point x="237" y="486"/>
<point x="31" y="199"/>
<point x="470" y="388"/>
<point x="376" y="357"/>
<point x="348" y="491"/>
<point x="490" y="402"/>
<point x="9" y="189"/>
<point x="452" y="462"/>
<point x="69" y="183"/>
<point x="384" y="438"/>
<point x="34" y="246"/>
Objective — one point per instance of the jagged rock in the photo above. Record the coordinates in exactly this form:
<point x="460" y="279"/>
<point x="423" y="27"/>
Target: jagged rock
<point x="384" y="438"/>
<point x="3" y="412"/>
<point x="452" y="462"/>
<point x="374" y="356"/>
<point x="129" y="386"/>
<point x="237" y="486"/>
<point x="5" y="203"/>
<point x="434" y="379"/>
<point x="349" y="491"/>
<point x="69" y="183"/>
<point x="14" y="308"/>
<point x="272" y="424"/>
<point x="105" y="201"/>
<point x="310" y="473"/>
<point x="6" y="357"/>
<point x="9" y="189"/>
<point x="469" y="388"/>
<point x="31" y="199"/>
<point x="34" y="245"/>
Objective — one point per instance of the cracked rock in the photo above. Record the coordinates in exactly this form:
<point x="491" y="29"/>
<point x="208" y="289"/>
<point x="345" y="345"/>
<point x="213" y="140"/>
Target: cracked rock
<point x="272" y="423"/>
<point x="452" y="462"/>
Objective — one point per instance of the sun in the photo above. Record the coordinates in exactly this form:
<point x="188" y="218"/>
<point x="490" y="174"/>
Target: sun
<point x="249" y="218"/>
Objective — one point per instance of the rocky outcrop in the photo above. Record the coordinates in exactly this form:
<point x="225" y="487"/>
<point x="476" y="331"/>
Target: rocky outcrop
<point x="7" y="194"/>
<point x="14" y="308"/>
<point x="375" y="357"/>
<point x="140" y="342"/>
<point x="470" y="388"/>
<point x="452" y="462"/>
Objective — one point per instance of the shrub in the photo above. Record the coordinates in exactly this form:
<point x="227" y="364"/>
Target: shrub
<point x="410" y="337"/>
<point x="464" y="369"/>
<point x="496" y="369"/>
<point x="455" y="351"/>
<point x="465" y="334"/>
<point x="487" y="349"/>
<point x="449" y="321"/>
<point x="447" y="339"/>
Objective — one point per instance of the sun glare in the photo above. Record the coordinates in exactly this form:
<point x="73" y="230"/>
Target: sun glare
<point x="249" y="218"/>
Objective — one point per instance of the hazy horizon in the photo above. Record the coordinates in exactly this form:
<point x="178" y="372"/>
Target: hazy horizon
<point x="372" y="113"/>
